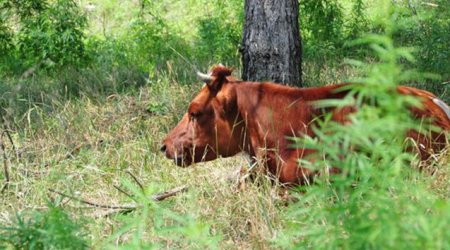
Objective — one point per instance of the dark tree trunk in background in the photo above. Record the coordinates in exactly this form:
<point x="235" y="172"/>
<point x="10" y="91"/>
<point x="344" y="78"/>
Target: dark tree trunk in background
<point x="271" y="45"/>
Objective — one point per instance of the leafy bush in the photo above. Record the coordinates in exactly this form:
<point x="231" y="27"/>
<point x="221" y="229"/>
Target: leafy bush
<point x="426" y="27"/>
<point x="51" y="229"/>
<point x="151" y="43"/>
<point x="321" y="21"/>
<point x="5" y="38"/>
<point x="48" y="31"/>
<point x="357" y="22"/>
<point x="219" y="36"/>
<point x="326" y="27"/>
<point x="377" y="201"/>
<point x="157" y="225"/>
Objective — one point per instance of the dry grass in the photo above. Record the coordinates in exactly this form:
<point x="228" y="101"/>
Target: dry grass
<point x="85" y="147"/>
<point x="439" y="170"/>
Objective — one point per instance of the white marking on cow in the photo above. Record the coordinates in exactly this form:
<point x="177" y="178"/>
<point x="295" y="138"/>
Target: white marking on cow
<point x="443" y="106"/>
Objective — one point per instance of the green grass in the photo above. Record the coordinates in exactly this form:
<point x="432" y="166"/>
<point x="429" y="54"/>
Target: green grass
<point x="84" y="146"/>
<point x="81" y="130"/>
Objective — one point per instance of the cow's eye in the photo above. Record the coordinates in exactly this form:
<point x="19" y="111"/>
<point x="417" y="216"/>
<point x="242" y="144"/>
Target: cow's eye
<point x="196" y="114"/>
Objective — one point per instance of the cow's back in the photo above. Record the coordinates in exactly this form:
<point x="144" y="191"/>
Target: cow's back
<point x="431" y="106"/>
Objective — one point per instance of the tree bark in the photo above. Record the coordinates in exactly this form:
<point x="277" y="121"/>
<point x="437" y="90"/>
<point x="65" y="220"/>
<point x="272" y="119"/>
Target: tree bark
<point x="271" y="43"/>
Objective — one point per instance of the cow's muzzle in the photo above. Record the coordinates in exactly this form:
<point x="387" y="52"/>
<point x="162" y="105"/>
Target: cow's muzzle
<point x="181" y="159"/>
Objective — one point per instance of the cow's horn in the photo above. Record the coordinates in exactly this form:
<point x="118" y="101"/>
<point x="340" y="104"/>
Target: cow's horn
<point x="204" y="77"/>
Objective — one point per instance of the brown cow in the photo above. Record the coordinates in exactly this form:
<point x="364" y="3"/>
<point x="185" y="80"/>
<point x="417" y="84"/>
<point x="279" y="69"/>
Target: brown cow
<point x="230" y="116"/>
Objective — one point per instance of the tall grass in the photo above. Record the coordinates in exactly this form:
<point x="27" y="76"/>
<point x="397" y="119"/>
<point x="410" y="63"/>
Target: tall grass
<point x="85" y="146"/>
<point x="79" y="130"/>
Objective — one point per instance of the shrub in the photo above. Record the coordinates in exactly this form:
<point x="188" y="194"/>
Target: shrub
<point x="157" y="225"/>
<point x="48" y="31"/>
<point x="377" y="201"/>
<point x="5" y="38"/>
<point x="218" y="40"/>
<point x="321" y="22"/>
<point x="426" y="28"/>
<point x="51" y="229"/>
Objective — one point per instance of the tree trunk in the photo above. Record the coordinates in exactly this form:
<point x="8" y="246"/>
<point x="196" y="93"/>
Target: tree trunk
<point x="271" y="45"/>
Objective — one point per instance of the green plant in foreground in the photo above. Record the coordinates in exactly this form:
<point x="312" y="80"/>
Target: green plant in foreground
<point x="377" y="201"/>
<point x="51" y="229"/>
<point x="156" y="226"/>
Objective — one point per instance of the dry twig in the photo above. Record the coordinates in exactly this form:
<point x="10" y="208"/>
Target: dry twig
<point x="123" y="192"/>
<point x="169" y="193"/>
<point x="136" y="180"/>
<point x="94" y="204"/>
<point x="127" y="207"/>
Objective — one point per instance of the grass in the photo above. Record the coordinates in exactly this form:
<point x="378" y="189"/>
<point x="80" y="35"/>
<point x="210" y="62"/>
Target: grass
<point x="85" y="146"/>
<point x="81" y="131"/>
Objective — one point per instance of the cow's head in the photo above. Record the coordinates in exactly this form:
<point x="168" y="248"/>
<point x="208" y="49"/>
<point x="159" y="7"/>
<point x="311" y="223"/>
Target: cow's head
<point x="211" y="127"/>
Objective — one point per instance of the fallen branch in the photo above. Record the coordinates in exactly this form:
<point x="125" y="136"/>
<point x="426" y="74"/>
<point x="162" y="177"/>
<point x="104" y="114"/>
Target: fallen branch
<point x="94" y="204"/>
<point x="430" y="4"/>
<point x="109" y="213"/>
<point x="34" y="173"/>
<point x="127" y="207"/>
<point x="156" y="197"/>
<point x="169" y="193"/>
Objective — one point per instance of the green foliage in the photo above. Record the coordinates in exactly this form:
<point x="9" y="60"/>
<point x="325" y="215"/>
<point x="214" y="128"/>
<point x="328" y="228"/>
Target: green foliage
<point x="152" y="44"/>
<point x="321" y="20"/>
<point x="377" y="201"/>
<point x="157" y="225"/>
<point x="426" y="27"/>
<point x="48" y="31"/>
<point x="358" y="23"/>
<point x="116" y="80"/>
<point x="219" y="33"/>
<point x="51" y="229"/>
<point x="218" y="40"/>
<point x="5" y="38"/>
<point x="156" y="45"/>
<point x="326" y="27"/>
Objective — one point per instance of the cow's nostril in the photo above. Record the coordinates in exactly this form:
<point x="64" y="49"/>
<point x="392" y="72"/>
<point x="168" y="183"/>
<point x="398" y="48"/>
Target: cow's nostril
<point x="179" y="161"/>
<point x="163" y="148"/>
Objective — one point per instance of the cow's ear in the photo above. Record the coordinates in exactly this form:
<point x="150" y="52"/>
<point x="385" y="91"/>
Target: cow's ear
<point x="219" y="75"/>
<point x="216" y="78"/>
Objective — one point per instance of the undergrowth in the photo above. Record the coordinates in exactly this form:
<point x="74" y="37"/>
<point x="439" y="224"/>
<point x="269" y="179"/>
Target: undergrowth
<point x="378" y="200"/>
<point x="86" y="146"/>
<point x="82" y="128"/>
<point x="51" y="229"/>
